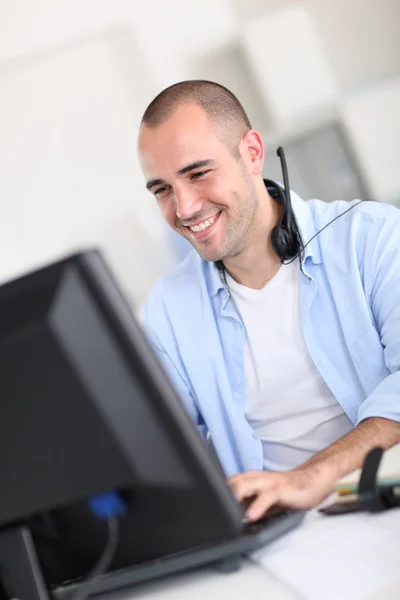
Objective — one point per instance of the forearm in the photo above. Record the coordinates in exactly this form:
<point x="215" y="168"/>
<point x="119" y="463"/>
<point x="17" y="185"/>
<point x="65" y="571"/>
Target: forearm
<point x="348" y="453"/>
<point x="308" y="485"/>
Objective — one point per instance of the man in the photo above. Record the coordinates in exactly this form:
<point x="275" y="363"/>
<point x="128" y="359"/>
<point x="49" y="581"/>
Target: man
<point x="293" y="369"/>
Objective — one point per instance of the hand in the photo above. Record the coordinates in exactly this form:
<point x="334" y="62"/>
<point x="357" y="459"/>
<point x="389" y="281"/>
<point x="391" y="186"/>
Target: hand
<point x="300" y="488"/>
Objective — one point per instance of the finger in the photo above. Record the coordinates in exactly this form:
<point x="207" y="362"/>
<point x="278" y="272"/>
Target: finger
<point x="245" y="488"/>
<point x="257" y="477"/>
<point x="261" y="504"/>
<point x="246" y="475"/>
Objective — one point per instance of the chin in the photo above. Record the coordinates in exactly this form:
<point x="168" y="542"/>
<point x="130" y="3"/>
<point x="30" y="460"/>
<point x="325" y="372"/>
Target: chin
<point x="212" y="256"/>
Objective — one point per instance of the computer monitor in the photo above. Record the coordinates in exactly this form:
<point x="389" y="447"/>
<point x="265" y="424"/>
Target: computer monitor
<point x="85" y="408"/>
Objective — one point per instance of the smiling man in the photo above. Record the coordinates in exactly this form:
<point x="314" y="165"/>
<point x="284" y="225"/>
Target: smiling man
<point x="292" y="366"/>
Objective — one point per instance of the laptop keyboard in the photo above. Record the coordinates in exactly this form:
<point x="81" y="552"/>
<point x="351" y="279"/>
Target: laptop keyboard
<point x="273" y="517"/>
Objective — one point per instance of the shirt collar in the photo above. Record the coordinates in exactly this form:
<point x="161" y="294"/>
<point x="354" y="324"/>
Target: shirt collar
<point x="214" y="272"/>
<point x="305" y="224"/>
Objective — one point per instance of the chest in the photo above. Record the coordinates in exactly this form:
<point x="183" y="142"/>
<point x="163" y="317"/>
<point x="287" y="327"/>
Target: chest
<point x="274" y="341"/>
<point x="315" y="328"/>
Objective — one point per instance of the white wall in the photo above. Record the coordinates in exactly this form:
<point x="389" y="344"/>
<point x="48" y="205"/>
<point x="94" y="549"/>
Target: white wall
<point x="169" y="34"/>
<point x="75" y="77"/>
<point x="376" y="141"/>
<point x="69" y="172"/>
<point x="362" y="37"/>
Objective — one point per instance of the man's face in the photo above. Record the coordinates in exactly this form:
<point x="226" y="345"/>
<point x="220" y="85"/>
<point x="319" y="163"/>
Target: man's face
<point x="204" y="193"/>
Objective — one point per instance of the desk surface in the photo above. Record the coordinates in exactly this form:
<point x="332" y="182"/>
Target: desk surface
<point x="357" y="570"/>
<point x="251" y="582"/>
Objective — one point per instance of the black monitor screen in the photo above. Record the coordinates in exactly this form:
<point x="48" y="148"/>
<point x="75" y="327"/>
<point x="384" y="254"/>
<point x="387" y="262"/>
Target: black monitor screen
<point x="86" y="407"/>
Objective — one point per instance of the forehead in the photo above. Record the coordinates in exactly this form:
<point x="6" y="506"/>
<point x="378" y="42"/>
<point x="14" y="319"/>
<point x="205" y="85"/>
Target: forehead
<point x="187" y="136"/>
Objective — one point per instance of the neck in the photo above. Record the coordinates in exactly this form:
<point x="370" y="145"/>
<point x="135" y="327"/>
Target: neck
<point x="258" y="262"/>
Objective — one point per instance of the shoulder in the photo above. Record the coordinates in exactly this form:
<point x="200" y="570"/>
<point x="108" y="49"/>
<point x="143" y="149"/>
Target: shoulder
<point x="184" y="274"/>
<point x="361" y="234"/>
<point x="176" y="287"/>
<point x="355" y="211"/>
<point x="365" y="222"/>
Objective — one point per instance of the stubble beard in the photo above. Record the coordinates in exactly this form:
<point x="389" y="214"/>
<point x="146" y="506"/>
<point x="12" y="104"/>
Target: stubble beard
<point x="239" y="228"/>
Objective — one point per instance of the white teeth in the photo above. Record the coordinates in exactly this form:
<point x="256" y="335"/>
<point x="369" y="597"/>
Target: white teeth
<point x="204" y="225"/>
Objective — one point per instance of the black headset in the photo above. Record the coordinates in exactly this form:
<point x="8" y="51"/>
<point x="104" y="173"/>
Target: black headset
<point x="285" y="237"/>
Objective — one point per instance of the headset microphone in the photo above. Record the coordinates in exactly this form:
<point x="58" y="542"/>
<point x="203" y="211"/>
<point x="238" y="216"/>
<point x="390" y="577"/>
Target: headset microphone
<point x="284" y="237"/>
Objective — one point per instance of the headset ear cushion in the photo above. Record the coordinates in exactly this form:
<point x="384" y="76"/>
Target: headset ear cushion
<point x="284" y="242"/>
<point x="274" y="243"/>
<point x="283" y="236"/>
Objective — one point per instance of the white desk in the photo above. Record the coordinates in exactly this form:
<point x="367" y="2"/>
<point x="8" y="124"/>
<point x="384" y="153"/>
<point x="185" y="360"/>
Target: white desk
<point x="250" y="583"/>
<point x="253" y="582"/>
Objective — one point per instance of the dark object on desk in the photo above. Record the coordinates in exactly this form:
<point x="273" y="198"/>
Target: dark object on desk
<point x="370" y="495"/>
<point x="87" y="408"/>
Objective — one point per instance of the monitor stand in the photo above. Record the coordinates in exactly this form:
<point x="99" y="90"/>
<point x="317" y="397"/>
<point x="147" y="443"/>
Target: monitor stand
<point x="20" y="572"/>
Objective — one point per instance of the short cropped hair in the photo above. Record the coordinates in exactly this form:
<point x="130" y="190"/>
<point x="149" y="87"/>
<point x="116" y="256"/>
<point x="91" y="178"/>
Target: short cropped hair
<point x="223" y="107"/>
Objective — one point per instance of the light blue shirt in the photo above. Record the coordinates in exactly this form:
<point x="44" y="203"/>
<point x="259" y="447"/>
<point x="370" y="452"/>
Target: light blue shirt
<point x="349" y="287"/>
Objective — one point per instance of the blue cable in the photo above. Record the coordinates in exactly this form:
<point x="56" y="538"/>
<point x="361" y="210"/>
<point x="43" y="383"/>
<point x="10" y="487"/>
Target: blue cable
<point x="107" y="506"/>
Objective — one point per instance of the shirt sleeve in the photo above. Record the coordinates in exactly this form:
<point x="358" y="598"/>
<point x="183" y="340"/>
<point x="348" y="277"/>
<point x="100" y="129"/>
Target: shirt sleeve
<point x="384" y="270"/>
<point x="175" y="376"/>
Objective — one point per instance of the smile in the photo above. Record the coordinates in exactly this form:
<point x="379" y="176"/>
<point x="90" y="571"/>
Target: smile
<point x="203" y="225"/>
<point x="204" y="228"/>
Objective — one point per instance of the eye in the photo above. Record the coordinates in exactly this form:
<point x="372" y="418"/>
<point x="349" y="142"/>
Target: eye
<point x="199" y="174"/>
<point x="161" y="190"/>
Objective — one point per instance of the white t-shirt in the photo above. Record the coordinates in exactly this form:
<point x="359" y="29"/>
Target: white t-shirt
<point x="288" y="404"/>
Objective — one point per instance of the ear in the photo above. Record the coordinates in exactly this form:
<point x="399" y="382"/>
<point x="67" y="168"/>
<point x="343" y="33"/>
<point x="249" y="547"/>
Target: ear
<point x="253" y="147"/>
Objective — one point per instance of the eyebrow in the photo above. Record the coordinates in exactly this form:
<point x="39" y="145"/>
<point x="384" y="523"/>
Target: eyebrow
<point x="183" y="171"/>
<point x="195" y="165"/>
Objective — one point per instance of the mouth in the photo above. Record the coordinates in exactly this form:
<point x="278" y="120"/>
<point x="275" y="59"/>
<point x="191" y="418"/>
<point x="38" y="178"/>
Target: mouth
<point x="205" y="228"/>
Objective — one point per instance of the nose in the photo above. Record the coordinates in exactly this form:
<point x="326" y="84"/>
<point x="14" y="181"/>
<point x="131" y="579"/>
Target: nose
<point x="187" y="203"/>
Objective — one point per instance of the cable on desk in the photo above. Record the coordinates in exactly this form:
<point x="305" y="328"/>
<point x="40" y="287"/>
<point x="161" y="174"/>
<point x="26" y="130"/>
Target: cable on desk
<point x="105" y="559"/>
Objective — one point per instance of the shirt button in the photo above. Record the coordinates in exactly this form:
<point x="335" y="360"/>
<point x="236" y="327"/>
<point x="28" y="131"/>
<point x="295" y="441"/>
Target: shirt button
<point x="238" y="326"/>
